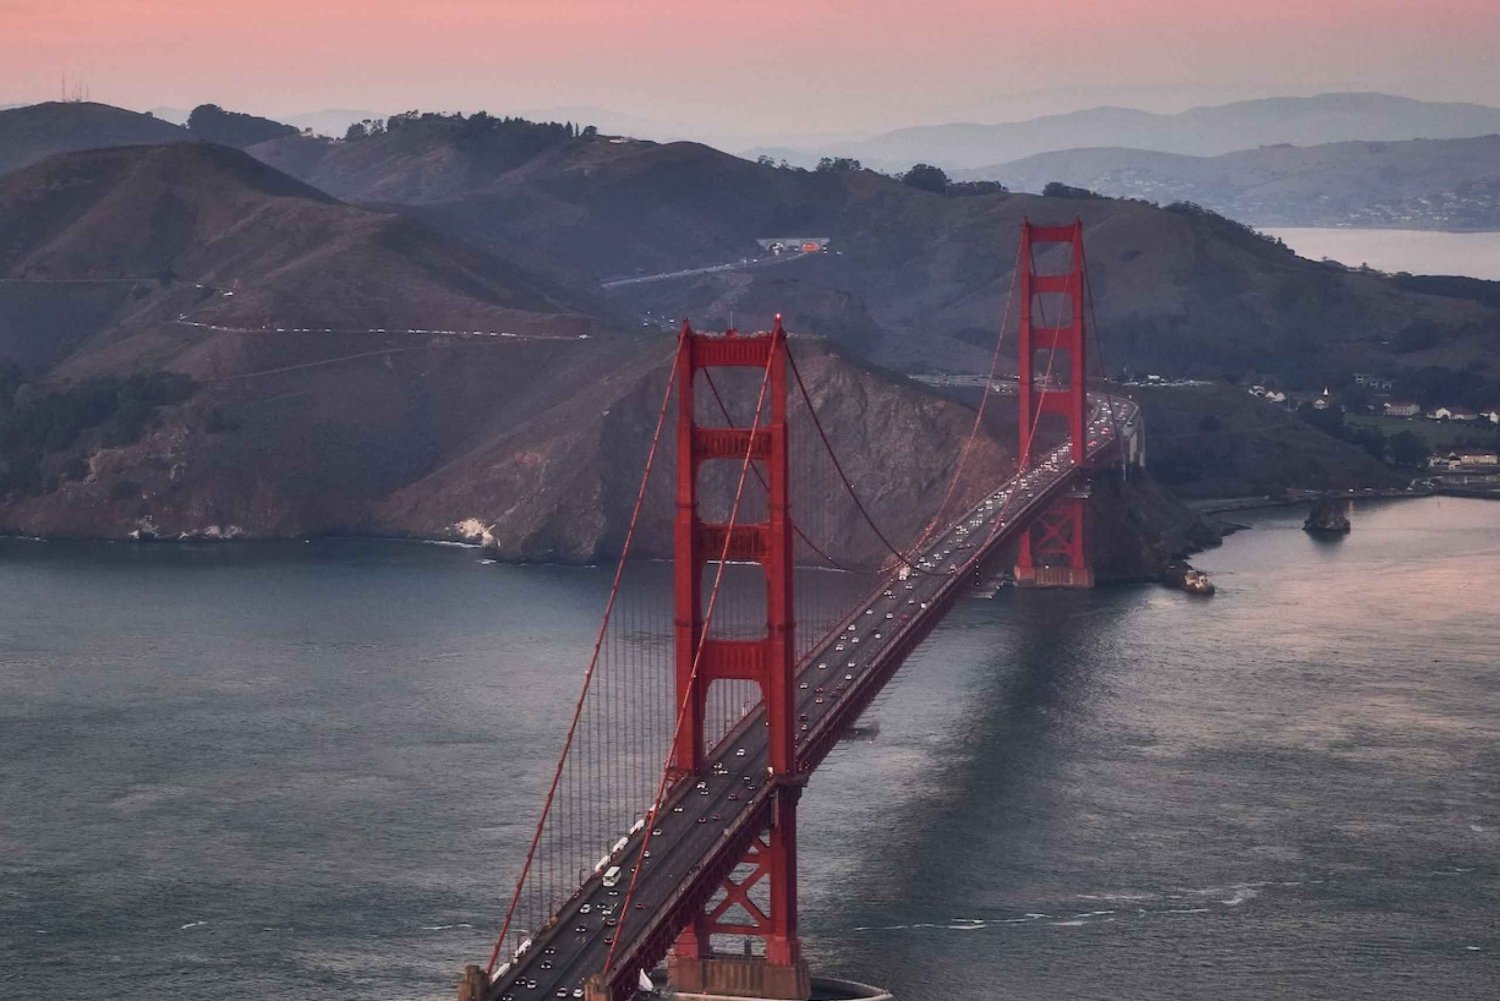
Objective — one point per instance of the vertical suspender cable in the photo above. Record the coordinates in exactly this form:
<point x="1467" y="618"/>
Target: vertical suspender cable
<point x="614" y="592"/>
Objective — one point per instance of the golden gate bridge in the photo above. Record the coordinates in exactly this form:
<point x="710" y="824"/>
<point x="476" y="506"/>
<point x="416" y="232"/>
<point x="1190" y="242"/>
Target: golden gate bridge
<point x="669" y="828"/>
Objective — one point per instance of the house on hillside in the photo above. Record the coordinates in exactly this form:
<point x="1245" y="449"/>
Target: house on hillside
<point x="1274" y="396"/>
<point x="1374" y="382"/>
<point x="1402" y="408"/>
<point x="1476" y="457"/>
<point x="1492" y="415"/>
<point x="1452" y="414"/>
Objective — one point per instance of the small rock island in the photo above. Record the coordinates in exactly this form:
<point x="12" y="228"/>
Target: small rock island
<point x="1329" y="517"/>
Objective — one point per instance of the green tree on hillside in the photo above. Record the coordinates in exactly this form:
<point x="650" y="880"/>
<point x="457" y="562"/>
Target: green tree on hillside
<point x="1406" y="449"/>
<point x="212" y="123"/>
<point x="839" y="165"/>
<point x="927" y="178"/>
<point x="1057" y="189"/>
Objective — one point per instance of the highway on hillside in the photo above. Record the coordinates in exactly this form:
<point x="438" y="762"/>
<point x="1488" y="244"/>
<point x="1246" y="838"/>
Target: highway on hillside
<point x="710" y="818"/>
<point x="744" y="264"/>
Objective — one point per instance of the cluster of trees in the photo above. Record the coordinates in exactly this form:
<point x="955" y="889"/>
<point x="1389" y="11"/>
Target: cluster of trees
<point x="35" y="425"/>
<point x="211" y="123"/>
<point x="827" y="165"/>
<point x="1404" y="448"/>
<point x="481" y="124"/>
<point x="1196" y="211"/>
<point x="923" y="176"/>
<point x="1057" y="189"/>
<point x="505" y="142"/>
<point x="838" y="165"/>
<point x="1433" y="386"/>
<point x="926" y="177"/>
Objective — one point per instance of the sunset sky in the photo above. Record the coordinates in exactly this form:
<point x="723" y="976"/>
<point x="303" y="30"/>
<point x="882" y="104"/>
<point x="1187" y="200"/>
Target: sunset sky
<point x="770" y="67"/>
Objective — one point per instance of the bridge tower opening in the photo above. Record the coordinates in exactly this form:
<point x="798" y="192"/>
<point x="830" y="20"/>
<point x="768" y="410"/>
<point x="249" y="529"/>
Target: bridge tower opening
<point x="1052" y="552"/>
<point x="769" y="866"/>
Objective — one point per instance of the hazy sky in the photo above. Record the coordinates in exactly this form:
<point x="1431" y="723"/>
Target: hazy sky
<point x="761" y="68"/>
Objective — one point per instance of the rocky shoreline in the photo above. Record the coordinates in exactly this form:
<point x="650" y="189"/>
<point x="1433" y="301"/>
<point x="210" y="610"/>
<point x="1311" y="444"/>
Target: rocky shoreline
<point x="1137" y="530"/>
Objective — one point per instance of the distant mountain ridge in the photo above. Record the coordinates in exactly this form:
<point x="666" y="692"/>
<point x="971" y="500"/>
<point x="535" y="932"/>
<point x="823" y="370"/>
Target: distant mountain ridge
<point x="1202" y="131"/>
<point x="1451" y="184"/>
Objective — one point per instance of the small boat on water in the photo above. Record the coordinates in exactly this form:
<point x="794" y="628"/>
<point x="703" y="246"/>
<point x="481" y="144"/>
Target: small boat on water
<point x="1197" y="582"/>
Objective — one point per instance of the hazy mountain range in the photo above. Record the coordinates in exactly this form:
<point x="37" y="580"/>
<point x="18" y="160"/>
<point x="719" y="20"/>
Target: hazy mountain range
<point x="1451" y="184"/>
<point x="1202" y="131"/>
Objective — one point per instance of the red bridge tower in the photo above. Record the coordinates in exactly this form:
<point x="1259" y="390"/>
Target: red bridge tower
<point x="768" y="661"/>
<point x="1052" y="552"/>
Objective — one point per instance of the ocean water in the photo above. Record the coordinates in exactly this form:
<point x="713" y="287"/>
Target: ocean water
<point x="1422" y="252"/>
<point x="307" y="771"/>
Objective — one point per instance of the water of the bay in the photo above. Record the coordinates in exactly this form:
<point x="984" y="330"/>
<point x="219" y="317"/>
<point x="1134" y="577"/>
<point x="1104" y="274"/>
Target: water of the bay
<point x="292" y="772"/>
<point x="1422" y="252"/>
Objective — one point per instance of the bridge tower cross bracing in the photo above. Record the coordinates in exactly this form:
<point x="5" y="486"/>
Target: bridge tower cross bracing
<point x="768" y="661"/>
<point x="1052" y="552"/>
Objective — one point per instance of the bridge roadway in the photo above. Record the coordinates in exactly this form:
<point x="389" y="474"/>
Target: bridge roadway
<point x="708" y="822"/>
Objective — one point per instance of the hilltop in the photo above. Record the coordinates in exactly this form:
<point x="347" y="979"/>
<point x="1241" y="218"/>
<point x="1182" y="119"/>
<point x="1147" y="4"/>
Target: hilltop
<point x="37" y="131"/>
<point x="136" y="241"/>
<point x="31" y="133"/>
<point x="1451" y="184"/>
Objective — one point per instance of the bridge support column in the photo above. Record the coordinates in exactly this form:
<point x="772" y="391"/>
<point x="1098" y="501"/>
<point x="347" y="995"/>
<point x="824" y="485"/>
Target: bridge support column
<point x="769" y="867"/>
<point x="1052" y="552"/>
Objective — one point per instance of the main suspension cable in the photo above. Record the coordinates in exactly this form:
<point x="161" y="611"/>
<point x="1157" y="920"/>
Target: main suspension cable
<point x="839" y="467"/>
<point x="963" y="456"/>
<point x="714" y="389"/>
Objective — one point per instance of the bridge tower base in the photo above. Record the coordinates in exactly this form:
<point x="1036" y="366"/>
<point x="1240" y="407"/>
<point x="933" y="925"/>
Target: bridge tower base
<point x="822" y="989"/>
<point x="1052" y="552"/>
<point x="739" y="977"/>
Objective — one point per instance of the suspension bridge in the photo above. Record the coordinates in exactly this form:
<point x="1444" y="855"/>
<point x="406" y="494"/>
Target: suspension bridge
<point x="669" y="829"/>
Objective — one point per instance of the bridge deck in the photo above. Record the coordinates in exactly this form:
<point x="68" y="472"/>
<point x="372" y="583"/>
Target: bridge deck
<point x="707" y="824"/>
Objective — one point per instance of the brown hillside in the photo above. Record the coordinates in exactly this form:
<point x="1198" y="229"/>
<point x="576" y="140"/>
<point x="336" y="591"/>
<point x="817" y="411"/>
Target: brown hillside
<point x="537" y="440"/>
<point x="1176" y="291"/>
<point x="138" y="237"/>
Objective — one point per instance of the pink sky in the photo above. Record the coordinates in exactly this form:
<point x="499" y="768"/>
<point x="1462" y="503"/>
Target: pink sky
<point x="765" y="66"/>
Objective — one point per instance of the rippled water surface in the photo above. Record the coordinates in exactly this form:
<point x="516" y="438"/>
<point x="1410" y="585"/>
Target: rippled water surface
<point x="305" y="771"/>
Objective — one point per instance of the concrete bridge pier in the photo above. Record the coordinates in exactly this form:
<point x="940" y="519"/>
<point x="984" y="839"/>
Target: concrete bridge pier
<point x="1052" y="551"/>
<point x="819" y="989"/>
<point x="739" y="977"/>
